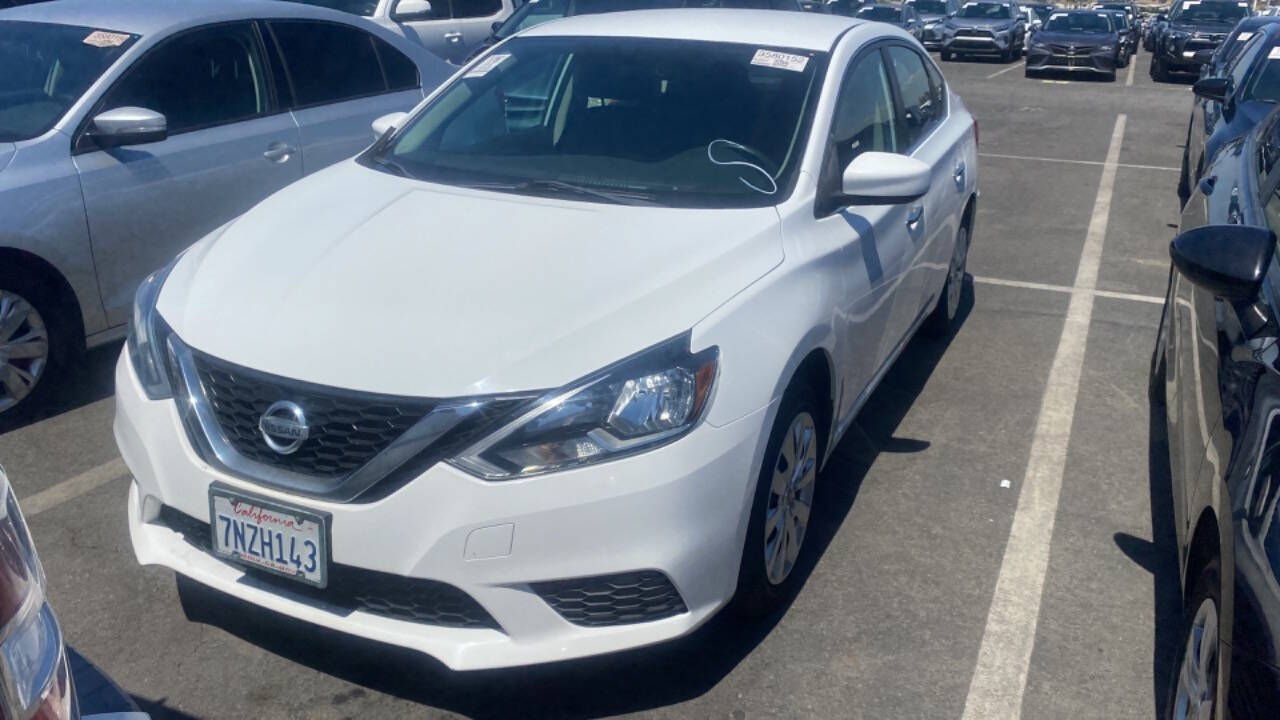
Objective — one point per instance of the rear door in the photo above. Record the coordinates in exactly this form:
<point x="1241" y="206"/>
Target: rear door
<point x="229" y="146"/>
<point x="340" y="79"/>
<point x="922" y="115"/>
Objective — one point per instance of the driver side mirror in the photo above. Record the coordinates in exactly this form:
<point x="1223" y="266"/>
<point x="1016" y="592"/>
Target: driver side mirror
<point x="128" y="126"/>
<point x="1214" y="88"/>
<point x="1229" y="261"/>
<point x="387" y="123"/>
<point x="880" y="178"/>
<point x="1204" y="57"/>
<point x="407" y="10"/>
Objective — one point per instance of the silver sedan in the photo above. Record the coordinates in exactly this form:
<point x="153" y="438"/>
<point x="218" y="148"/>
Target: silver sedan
<point x="130" y="129"/>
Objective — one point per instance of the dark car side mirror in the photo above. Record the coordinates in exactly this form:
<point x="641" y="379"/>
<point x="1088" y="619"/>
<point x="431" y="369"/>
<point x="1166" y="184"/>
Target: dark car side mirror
<point x="1214" y="88"/>
<point x="1229" y="261"/>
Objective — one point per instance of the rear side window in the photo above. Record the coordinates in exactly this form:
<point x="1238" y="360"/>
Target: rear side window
<point x="920" y="108"/>
<point x="327" y="62"/>
<point x="476" y="8"/>
<point x="199" y="79"/>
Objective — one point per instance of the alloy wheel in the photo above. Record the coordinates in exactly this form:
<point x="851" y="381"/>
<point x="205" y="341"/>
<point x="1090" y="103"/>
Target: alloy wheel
<point x="24" y="349"/>
<point x="1198" y="675"/>
<point x="955" y="275"/>
<point x="786" y="513"/>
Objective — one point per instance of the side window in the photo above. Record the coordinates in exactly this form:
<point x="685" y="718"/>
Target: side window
<point x="198" y="79"/>
<point x="920" y="110"/>
<point x="864" y="113"/>
<point x="476" y="8"/>
<point x="400" y="71"/>
<point x="327" y="62"/>
<point x="1240" y="67"/>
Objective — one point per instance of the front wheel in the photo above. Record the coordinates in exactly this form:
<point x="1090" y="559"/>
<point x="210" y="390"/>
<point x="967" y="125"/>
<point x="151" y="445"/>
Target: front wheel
<point x="1159" y="72"/>
<point x="946" y="55"/>
<point x="34" y="344"/>
<point x="943" y="318"/>
<point x="782" y="504"/>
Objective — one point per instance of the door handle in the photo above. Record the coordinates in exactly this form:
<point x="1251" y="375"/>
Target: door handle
<point x="453" y="36"/>
<point x="959" y="174"/>
<point x="914" y="215"/>
<point x="1206" y="184"/>
<point x="279" y="153"/>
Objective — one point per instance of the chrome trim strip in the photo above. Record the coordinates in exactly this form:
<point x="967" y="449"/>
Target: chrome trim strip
<point x="212" y="445"/>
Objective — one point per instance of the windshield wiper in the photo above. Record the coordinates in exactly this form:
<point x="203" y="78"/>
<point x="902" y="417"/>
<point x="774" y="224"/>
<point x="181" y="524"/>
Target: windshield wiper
<point x="562" y="187"/>
<point x="391" y="165"/>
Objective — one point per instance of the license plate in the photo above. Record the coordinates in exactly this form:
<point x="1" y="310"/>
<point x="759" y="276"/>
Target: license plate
<point x="270" y="536"/>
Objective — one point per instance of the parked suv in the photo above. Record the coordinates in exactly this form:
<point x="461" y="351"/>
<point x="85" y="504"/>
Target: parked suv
<point x="130" y="129"/>
<point x="530" y="381"/>
<point x="1192" y="27"/>
<point x="933" y="13"/>
<point x="451" y="29"/>
<point x="985" y="27"/>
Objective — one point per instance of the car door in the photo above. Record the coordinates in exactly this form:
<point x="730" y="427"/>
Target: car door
<point x="922" y="112"/>
<point x="475" y="19"/>
<point x="433" y="29"/>
<point x="227" y="149"/>
<point x="873" y="239"/>
<point x="340" y="79"/>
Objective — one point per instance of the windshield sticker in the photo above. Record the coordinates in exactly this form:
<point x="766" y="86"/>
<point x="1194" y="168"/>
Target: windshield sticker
<point x="483" y="67"/>
<point x="1243" y="36"/>
<point x="780" y="60"/>
<point x="1102" y="15"/>
<point x="104" y="39"/>
<point x="1274" y="54"/>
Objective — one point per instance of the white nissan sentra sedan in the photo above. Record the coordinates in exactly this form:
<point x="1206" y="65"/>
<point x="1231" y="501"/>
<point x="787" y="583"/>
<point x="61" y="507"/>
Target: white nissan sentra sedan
<point x="550" y="370"/>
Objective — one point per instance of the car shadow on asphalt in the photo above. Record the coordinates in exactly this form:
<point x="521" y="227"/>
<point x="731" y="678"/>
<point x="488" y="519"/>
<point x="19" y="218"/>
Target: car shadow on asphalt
<point x="630" y="681"/>
<point x="90" y="378"/>
<point x="1159" y="556"/>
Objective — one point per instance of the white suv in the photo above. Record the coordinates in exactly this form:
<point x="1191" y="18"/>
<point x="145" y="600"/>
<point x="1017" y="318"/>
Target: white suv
<point x="550" y="370"/>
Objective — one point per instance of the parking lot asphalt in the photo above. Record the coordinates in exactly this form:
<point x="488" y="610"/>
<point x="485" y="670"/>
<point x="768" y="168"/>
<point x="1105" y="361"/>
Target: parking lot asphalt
<point x="1018" y="454"/>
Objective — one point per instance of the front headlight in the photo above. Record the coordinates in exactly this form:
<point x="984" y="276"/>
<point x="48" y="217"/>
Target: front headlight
<point x="647" y="400"/>
<point x="146" y="337"/>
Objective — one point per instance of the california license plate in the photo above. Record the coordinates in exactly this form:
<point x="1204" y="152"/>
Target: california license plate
<point x="270" y="536"/>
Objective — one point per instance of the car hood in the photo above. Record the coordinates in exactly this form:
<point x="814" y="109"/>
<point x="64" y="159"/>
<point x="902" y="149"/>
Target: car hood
<point x="359" y="279"/>
<point x="1075" y="38"/>
<point x="7" y="151"/>
<point x="984" y="23"/>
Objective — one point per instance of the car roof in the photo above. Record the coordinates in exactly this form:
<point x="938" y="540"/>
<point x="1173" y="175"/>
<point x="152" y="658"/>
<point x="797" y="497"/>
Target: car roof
<point x="774" y="28"/>
<point x="145" y="17"/>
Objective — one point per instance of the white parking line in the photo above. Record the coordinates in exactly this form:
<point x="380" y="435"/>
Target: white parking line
<point x="1154" y="300"/>
<point x="1011" y="67"/>
<point x="1128" y="81"/>
<point x="73" y="487"/>
<point x="1000" y="676"/>
<point x="1069" y="161"/>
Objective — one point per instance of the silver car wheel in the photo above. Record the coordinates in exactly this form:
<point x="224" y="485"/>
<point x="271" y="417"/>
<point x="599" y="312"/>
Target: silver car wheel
<point x="24" y="349"/>
<point x="955" y="275"/>
<point x="1197" y="678"/>
<point x="786" y="513"/>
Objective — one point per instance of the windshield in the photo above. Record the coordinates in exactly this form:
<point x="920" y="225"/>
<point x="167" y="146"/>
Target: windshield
<point x="884" y="13"/>
<point x="46" y="68"/>
<point x="1078" y="22"/>
<point x="1209" y="12"/>
<point x="364" y="8"/>
<point x="1042" y="12"/>
<point x="1266" y="82"/>
<point x="1120" y="19"/>
<point x="931" y="7"/>
<point x="993" y="11"/>
<point x="629" y="120"/>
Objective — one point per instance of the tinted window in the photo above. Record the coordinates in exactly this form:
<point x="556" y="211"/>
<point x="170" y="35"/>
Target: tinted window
<point x="992" y="11"/>
<point x="327" y="62"/>
<point x="683" y="123"/>
<point x="401" y="73"/>
<point x="199" y="79"/>
<point x="884" y="13"/>
<point x="1208" y="12"/>
<point x="476" y="8"/>
<point x="1243" y="62"/>
<point x="365" y="8"/>
<point x="864" y="119"/>
<point x="1079" y="22"/>
<point x="919" y="105"/>
<point x="46" y="68"/>
<point x="933" y="7"/>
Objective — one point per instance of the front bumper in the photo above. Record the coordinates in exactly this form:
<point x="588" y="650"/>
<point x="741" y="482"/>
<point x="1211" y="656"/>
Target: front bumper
<point x="931" y="37"/>
<point x="978" y="44"/>
<point x="1179" y="55"/>
<point x="679" y="510"/>
<point x="1059" y="59"/>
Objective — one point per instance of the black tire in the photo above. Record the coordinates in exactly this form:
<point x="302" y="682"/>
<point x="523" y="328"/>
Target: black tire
<point x="1156" y="375"/>
<point x="945" y="55"/>
<point x="1184" y="179"/>
<point x="1111" y="76"/>
<point x="1207" y="588"/>
<point x="59" y="329"/>
<point x="943" y="318"/>
<point x="756" y="594"/>
<point x="1159" y="72"/>
<point x="1028" y="72"/>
